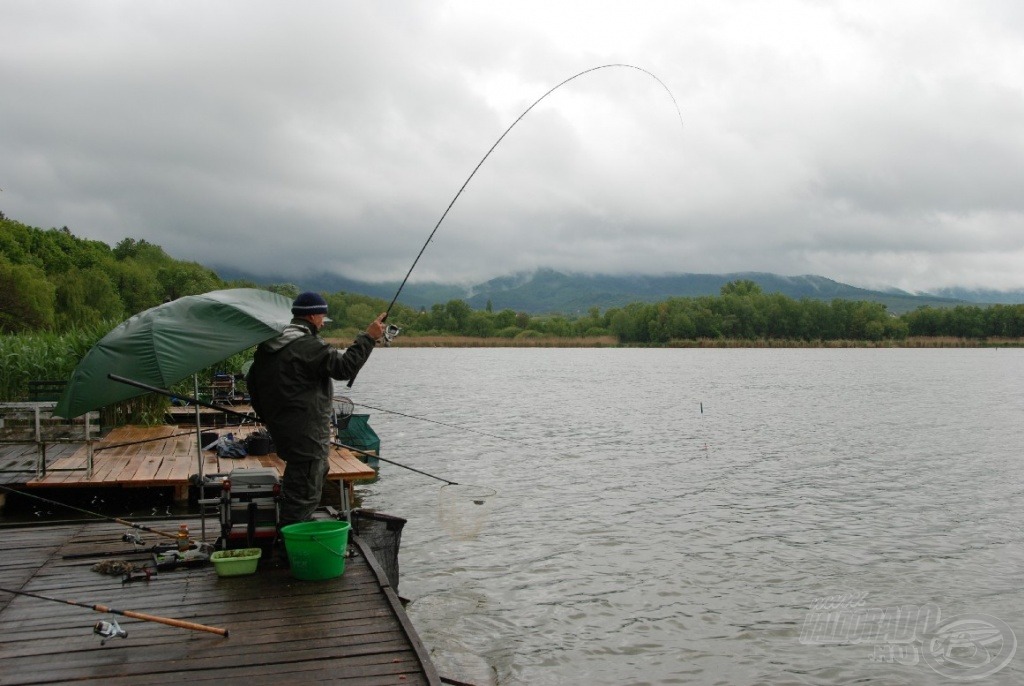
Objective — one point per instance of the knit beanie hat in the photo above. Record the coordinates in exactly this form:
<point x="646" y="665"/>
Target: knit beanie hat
<point x="309" y="303"/>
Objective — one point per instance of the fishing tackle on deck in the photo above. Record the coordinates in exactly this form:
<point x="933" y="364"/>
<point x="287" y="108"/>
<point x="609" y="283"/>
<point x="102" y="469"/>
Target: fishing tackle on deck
<point x="109" y="629"/>
<point x="502" y="137"/>
<point x="179" y="623"/>
<point x="118" y="520"/>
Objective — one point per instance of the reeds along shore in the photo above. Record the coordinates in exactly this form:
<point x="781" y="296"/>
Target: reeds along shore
<point x="612" y="342"/>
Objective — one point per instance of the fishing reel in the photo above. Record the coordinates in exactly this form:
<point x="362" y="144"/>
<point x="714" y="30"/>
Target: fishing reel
<point x="132" y="537"/>
<point x="390" y="333"/>
<point x="108" y="630"/>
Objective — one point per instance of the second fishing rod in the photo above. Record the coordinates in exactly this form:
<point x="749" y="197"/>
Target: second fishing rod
<point x="248" y="416"/>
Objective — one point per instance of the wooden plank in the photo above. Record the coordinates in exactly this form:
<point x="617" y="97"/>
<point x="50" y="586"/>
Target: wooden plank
<point x="146" y="468"/>
<point x="343" y="630"/>
<point x="160" y="456"/>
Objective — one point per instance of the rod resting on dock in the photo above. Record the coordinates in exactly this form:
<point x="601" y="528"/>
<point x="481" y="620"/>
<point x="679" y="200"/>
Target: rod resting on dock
<point x="180" y="623"/>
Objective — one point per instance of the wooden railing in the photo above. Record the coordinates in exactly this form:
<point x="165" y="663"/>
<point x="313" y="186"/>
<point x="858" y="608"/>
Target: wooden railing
<point x="34" y="423"/>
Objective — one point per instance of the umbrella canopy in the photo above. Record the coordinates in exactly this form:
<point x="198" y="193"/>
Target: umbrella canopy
<point x="167" y="343"/>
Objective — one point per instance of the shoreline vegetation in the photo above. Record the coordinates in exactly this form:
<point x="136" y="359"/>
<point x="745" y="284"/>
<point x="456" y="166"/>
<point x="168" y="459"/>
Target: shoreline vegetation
<point x="612" y="342"/>
<point x="59" y="294"/>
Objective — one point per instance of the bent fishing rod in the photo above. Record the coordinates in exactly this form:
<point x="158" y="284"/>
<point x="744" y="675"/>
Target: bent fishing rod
<point x="181" y="624"/>
<point x="479" y="164"/>
<point x="501" y="138"/>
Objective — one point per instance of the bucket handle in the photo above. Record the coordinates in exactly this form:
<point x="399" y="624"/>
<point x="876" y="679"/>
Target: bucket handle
<point x="324" y="546"/>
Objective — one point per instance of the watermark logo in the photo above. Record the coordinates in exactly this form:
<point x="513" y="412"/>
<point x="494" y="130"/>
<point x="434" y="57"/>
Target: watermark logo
<point x="965" y="647"/>
<point x="969" y="647"/>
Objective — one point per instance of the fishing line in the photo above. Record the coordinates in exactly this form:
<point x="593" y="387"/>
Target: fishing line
<point x="702" y="432"/>
<point x="462" y="509"/>
<point x="505" y="439"/>
<point x="397" y="464"/>
<point x="142" y="440"/>
<point x="502" y="137"/>
<point x="459" y="521"/>
<point x="163" y="391"/>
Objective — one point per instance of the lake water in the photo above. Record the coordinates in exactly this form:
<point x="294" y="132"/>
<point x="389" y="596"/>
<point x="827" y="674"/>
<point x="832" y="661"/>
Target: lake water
<point x="708" y="516"/>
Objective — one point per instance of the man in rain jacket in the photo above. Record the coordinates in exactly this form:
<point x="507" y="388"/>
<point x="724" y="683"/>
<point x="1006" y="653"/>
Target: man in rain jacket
<point x="290" y="383"/>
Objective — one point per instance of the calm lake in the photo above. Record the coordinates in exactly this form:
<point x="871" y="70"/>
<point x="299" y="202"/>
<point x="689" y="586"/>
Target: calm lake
<point x="707" y="516"/>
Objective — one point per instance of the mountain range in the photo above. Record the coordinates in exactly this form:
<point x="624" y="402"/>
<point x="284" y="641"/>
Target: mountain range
<point x="548" y="291"/>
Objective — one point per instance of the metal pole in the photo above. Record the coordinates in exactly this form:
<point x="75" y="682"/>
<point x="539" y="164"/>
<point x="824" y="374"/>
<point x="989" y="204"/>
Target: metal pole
<point x="199" y="451"/>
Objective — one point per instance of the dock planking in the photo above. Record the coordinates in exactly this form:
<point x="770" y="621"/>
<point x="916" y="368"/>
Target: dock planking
<point x="166" y="455"/>
<point x="349" y="630"/>
<point x="18" y="461"/>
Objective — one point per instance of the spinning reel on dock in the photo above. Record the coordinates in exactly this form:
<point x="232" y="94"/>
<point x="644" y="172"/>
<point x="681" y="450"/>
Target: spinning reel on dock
<point x="108" y="629"/>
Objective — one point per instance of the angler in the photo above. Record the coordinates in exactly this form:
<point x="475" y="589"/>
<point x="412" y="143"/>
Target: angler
<point x="291" y="386"/>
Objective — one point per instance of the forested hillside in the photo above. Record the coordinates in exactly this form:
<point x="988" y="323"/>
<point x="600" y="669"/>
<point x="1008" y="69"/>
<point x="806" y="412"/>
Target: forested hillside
<point x="53" y="281"/>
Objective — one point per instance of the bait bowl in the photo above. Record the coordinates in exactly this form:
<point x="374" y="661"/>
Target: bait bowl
<point x="236" y="562"/>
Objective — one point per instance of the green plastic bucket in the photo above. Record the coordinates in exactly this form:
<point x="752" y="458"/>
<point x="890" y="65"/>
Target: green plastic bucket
<point x="316" y="550"/>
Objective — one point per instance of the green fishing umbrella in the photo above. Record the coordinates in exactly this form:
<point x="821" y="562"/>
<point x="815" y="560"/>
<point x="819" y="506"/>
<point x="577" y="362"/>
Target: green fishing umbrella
<point x="167" y="343"/>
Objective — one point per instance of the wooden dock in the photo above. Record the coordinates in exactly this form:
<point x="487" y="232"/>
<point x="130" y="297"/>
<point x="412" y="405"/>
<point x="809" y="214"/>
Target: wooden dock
<point x="18" y="461"/>
<point x="350" y="630"/>
<point x="167" y="456"/>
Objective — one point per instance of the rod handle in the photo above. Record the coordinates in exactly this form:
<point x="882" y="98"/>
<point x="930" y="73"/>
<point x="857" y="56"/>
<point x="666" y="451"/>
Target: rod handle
<point x="180" y="623"/>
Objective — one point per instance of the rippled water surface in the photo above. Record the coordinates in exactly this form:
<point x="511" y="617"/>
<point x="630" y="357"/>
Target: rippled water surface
<point x="674" y="516"/>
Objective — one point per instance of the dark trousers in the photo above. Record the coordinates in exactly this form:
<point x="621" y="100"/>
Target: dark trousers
<point x="300" y="490"/>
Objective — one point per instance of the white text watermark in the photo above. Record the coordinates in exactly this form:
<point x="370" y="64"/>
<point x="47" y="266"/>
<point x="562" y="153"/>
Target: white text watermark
<point x="964" y="647"/>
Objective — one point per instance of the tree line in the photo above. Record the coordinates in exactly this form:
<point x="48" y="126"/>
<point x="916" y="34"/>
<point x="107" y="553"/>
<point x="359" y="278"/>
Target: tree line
<point x="741" y="312"/>
<point x="53" y="281"/>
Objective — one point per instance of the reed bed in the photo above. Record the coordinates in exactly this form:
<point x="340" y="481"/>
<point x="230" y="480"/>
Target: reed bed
<point x="47" y="356"/>
<point x="41" y="356"/>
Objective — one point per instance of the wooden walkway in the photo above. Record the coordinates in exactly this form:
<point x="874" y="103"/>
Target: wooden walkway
<point x="18" y="460"/>
<point x="166" y="455"/>
<point x="351" y="630"/>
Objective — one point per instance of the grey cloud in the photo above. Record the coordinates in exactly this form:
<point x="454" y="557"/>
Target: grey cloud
<point x="875" y="144"/>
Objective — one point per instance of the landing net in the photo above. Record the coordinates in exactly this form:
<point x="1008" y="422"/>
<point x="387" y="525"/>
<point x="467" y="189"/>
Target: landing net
<point x="463" y="509"/>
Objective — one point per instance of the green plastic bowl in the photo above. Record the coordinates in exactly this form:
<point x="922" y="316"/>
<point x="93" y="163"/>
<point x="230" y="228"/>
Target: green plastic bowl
<point x="236" y="562"/>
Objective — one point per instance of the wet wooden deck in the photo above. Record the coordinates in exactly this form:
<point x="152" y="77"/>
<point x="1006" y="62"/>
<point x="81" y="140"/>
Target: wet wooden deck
<point x="350" y="630"/>
<point x="18" y="461"/>
<point x="166" y="455"/>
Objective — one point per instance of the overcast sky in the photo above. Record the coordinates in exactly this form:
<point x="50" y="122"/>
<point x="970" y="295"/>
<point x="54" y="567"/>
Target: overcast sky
<point x="878" y="143"/>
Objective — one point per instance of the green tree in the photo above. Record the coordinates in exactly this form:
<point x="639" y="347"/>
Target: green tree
<point x="741" y="287"/>
<point x="85" y="297"/>
<point x="505" y="319"/>
<point x="139" y="250"/>
<point x="457" y="313"/>
<point x="135" y="285"/>
<point x="288" y="290"/>
<point x="27" y="298"/>
<point x="479" y="324"/>
<point x="179" y="279"/>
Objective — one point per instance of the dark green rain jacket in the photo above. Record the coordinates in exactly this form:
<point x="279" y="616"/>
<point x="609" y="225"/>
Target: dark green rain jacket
<point x="291" y="390"/>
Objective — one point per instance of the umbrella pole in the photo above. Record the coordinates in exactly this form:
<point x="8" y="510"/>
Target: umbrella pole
<point x="199" y="451"/>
